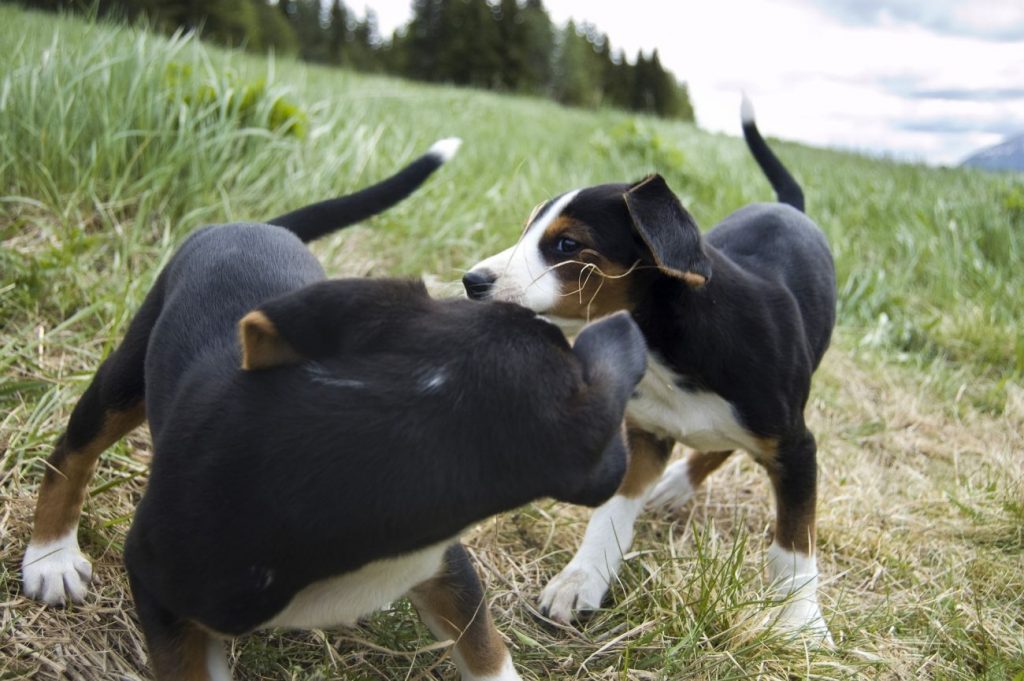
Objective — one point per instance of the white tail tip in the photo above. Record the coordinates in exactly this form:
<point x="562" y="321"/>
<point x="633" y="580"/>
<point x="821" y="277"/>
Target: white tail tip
<point x="445" y="149"/>
<point x="746" y="110"/>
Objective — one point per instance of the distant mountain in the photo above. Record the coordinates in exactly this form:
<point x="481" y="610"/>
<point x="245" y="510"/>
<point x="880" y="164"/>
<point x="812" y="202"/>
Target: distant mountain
<point x="1008" y="155"/>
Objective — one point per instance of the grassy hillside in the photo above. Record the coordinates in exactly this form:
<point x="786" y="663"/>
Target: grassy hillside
<point x="115" y="144"/>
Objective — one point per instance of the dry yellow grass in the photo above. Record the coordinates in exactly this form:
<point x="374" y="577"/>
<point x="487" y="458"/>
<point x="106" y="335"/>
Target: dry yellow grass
<point x="920" y="546"/>
<point x="922" y="500"/>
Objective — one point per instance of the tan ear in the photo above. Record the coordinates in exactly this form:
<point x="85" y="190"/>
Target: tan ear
<point x="262" y="346"/>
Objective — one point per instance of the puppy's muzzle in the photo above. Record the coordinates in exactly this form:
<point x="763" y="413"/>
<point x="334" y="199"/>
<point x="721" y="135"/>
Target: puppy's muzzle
<point x="479" y="283"/>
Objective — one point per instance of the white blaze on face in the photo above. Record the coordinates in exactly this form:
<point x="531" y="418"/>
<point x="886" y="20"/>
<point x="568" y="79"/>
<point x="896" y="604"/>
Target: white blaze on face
<point x="522" y="275"/>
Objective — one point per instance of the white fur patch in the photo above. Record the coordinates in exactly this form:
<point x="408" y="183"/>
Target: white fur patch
<point x="582" y="584"/>
<point x="522" y="275"/>
<point x="320" y="374"/>
<point x="506" y="673"/>
<point x="444" y="150"/>
<point x="674" y="490"/>
<point x="217" y="661"/>
<point x="746" y="110"/>
<point x="794" y="578"/>
<point x="432" y="380"/>
<point x="56" y="571"/>
<point x="342" y="600"/>
<point x="701" y="420"/>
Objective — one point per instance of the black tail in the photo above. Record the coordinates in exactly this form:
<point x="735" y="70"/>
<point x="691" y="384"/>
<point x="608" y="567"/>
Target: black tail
<point x="786" y="188"/>
<point x="320" y="219"/>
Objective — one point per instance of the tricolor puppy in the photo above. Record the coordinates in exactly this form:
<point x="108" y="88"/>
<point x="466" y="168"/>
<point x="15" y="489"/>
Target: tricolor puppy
<point x="320" y="444"/>
<point x="736" y="321"/>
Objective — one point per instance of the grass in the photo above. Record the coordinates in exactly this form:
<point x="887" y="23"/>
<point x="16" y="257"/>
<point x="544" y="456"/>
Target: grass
<point x="115" y="144"/>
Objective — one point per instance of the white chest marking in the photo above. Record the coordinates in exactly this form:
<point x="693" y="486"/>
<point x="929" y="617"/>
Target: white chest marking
<point x="342" y="600"/>
<point x="702" y="420"/>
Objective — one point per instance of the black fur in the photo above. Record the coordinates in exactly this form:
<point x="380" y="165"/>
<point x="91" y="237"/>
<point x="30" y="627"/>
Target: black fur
<point x="670" y="234"/>
<point x="314" y="221"/>
<point x="406" y="421"/>
<point x="744" y="311"/>
<point x="758" y="329"/>
<point x="786" y="188"/>
<point x="308" y="471"/>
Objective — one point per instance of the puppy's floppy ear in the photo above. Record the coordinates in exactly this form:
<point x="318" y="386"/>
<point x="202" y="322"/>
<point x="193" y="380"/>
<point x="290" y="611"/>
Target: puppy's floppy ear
<point x="670" y="233"/>
<point x="613" y="356"/>
<point x="613" y="353"/>
<point x="327" y="318"/>
<point x="262" y="345"/>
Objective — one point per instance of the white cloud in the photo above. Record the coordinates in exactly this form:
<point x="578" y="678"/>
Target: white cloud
<point x="835" y="78"/>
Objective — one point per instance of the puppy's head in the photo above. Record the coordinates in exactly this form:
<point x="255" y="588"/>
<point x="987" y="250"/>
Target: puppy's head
<point x="512" y="392"/>
<point x="326" y="319"/>
<point x="589" y="252"/>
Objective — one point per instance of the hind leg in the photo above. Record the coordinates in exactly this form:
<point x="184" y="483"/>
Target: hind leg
<point x="54" y="569"/>
<point x="179" y="650"/>
<point x="792" y="567"/>
<point x="682" y="478"/>
<point x="452" y="605"/>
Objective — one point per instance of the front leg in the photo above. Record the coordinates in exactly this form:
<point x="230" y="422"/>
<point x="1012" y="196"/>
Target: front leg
<point x="581" y="586"/>
<point x="452" y="605"/>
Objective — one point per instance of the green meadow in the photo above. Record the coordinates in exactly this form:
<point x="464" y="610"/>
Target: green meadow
<point x="115" y="143"/>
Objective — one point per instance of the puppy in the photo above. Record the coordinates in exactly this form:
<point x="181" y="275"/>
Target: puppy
<point x="320" y="444"/>
<point x="736" y="322"/>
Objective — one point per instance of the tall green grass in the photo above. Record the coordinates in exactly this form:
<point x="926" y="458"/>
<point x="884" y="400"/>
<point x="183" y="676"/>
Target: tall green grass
<point x="115" y="144"/>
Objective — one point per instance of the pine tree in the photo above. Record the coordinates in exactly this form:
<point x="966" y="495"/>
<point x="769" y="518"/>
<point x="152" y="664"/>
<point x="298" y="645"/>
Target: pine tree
<point x="506" y="44"/>
<point x="425" y="34"/>
<point x="538" y="48"/>
<point x="275" y="31"/>
<point x="338" y="34"/>
<point x="621" y="82"/>
<point x="469" y="52"/>
<point x="366" y="43"/>
<point x="511" y="45"/>
<point x="574" y="81"/>
<point x="313" y="40"/>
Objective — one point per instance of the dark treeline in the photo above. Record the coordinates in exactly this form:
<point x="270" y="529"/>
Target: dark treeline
<point x="508" y="45"/>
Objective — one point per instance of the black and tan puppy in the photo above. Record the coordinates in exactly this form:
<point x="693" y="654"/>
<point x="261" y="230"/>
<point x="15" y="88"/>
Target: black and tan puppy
<point x="736" y="322"/>
<point x="320" y="444"/>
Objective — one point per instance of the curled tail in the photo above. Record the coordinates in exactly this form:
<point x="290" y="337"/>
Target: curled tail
<point x="319" y="219"/>
<point x="786" y="188"/>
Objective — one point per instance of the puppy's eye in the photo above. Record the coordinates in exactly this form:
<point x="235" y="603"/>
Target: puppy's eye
<point x="566" y="245"/>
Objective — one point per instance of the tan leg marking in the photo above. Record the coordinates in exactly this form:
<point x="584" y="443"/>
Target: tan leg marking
<point x="182" y="656"/>
<point x="648" y="455"/>
<point x="699" y="465"/>
<point x="463" y="618"/>
<point x="69" y="471"/>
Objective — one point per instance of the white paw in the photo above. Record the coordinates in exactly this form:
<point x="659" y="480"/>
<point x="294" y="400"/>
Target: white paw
<point x="506" y="673"/>
<point x="56" y="572"/>
<point x="575" y="590"/>
<point x="794" y="578"/>
<point x="673" y="490"/>
<point x="801" y="617"/>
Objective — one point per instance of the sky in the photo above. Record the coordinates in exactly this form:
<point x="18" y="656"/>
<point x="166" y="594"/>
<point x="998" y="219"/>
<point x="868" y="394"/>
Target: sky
<point x="916" y="80"/>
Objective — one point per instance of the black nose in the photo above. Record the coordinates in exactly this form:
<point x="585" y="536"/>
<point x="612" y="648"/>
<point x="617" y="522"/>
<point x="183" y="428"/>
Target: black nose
<point x="478" y="283"/>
